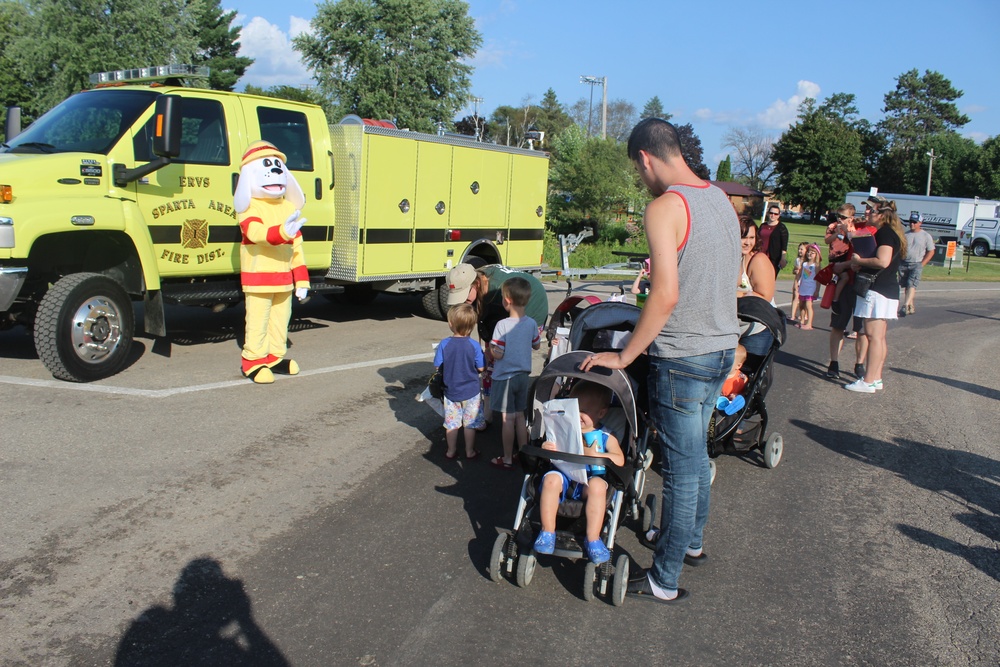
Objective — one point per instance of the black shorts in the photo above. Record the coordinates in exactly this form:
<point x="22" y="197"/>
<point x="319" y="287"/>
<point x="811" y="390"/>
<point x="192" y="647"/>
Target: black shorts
<point x="844" y="309"/>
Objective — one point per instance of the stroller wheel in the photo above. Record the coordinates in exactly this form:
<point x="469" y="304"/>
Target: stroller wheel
<point x="589" y="579"/>
<point x="498" y="557"/>
<point x="772" y="450"/>
<point x="619" y="581"/>
<point x="525" y="569"/>
<point x="712" y="469"/>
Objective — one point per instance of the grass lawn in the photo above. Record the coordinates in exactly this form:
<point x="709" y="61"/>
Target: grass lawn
<point x="589" y="255"/>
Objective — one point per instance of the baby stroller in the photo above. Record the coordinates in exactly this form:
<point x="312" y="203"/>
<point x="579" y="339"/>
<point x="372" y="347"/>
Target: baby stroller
<point x="744" y="430"/>
<point x="513" y="552"/>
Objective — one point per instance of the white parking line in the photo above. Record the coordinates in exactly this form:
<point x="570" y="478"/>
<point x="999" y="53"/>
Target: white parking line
<point x="165" y="393"/>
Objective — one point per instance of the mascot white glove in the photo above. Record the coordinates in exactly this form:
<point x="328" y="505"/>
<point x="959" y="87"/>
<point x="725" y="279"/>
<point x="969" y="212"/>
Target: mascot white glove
<point x="301" y="293"/>
<point x="294" y="223"/>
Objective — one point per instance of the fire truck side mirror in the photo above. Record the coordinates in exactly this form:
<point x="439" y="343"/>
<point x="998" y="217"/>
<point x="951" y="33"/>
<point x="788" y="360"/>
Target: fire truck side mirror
<point x="167" y="126"/>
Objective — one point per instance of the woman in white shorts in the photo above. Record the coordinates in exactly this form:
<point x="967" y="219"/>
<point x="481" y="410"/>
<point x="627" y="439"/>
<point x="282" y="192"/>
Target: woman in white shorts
<point x="882" y="301"/>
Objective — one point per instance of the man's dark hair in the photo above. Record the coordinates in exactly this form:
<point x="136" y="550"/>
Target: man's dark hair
<point x="774" y="207"/>
<point x="655" y="136"/>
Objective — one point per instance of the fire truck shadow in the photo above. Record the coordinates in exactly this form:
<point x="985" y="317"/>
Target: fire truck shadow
<point x="383" y="308"/>
<point x="210" y="623"/>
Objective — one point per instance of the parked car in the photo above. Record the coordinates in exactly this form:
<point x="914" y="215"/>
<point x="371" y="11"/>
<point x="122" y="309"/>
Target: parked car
<point x="985" y="239"/>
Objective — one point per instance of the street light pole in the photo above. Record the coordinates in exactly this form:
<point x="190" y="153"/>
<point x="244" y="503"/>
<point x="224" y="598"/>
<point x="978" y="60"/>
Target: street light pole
<point x="930" y="168"/>
<point x="603" y="82"/>
<point x="475" y="115"/>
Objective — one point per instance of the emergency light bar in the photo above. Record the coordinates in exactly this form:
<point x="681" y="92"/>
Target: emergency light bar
<point x="155" y="73"/>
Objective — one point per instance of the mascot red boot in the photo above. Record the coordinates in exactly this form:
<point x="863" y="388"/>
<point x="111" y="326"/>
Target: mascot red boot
<point x="269" y="202"/>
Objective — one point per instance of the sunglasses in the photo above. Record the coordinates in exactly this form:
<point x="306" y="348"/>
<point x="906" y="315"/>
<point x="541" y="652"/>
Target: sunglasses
<point x="773" y="213"/>
<point x="841" y="216"/>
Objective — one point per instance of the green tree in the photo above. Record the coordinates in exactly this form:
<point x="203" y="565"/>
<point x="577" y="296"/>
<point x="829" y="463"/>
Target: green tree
<point x="956" y="166"/>
<point x="654" y="109"/>
<point x="218" y="46"/>
<point x="725" y="171"/>
<point x="64" y="41"/>
<point x="590" y="180"/>
<point x="509" y="125"/>
<point x="398" y="59"/>
<point x="552" y="117"/>
<point x="987" y="175"/>
<point x="919" y="107"/>
<point x="14" y="88"/>
<point x="691" y="150"/>
<point x="818" y="159"/>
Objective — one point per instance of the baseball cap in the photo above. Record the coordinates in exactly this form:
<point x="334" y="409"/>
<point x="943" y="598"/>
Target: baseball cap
<point x="915" y="217"/>
<point x="460" y="280"/>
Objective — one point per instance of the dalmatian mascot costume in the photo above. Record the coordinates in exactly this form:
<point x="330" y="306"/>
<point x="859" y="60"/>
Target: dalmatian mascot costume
<point x="269" y="203"/>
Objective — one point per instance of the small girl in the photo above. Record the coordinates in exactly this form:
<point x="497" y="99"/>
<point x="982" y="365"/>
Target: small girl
<point x="808" y="287"/>
<point x="795" y="281"/>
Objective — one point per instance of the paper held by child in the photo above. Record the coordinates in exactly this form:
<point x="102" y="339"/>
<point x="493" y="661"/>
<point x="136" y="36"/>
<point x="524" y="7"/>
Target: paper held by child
<point x="561" y="418"/>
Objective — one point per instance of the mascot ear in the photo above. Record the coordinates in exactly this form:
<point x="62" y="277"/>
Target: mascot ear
<point x="241" y="198"/>
<point x="293" y="192"/>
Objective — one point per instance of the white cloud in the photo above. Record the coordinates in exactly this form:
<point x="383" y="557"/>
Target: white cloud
<point x="492" y="54"/>
<point x="782" y="113"/>
<point x="275" y="61"/>
<point x="974" y="108"/>
<point x="978" y="137"/>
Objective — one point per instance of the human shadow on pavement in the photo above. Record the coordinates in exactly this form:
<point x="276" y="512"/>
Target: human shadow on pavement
<point x="210" y="623"/>
<point x="971" y="479"/>
<point x="977" y="389"/>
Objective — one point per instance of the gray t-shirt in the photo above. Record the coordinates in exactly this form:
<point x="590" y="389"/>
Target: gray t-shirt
<point x="918" y="244"/>
<point x="517" y="337"/>
<point x="708" y="270"/>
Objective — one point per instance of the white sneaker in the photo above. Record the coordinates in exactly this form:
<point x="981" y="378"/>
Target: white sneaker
<point x="861" y="387"/>
<point x="877" y="384"/>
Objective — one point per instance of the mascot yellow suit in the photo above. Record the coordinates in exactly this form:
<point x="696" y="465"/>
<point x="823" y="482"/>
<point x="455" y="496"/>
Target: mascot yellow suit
<point x="269" y="203"/>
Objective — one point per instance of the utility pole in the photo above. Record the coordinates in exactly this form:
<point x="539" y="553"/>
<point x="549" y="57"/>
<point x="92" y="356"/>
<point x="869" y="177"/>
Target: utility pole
<point x="475" y="115"/>
<point x="930" y="168"/>
<point x="603" y="82"/>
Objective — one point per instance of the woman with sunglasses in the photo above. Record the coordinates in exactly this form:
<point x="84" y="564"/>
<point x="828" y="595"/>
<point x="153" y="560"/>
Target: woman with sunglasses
<point x="881" y="303"/>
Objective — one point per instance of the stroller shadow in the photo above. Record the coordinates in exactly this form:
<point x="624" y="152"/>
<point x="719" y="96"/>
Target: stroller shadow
<point x="969" y="478"/>
<point x="978" y="390"/>
<point x="210" y="623"/>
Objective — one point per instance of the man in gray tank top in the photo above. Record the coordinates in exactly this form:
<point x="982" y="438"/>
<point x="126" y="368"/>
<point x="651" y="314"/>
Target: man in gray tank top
<point x="689" y="329"/>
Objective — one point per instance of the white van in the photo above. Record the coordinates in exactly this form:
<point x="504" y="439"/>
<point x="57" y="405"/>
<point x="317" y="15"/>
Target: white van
<point x="985" y="239"/>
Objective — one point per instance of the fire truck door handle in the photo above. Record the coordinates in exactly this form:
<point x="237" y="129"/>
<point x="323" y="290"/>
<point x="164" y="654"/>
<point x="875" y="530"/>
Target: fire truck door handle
<point x="319" y="189"/>
<point x="236" y="180"/>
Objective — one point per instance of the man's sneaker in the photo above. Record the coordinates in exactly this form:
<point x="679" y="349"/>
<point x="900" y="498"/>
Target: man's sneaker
<point x="833" y="372"/>
<point x="859" y="371"/>
<point x="597" y="552"/>
<point x="546" y="542"/>
<point x="861" y="387"/>
<point x="901" y="312"/>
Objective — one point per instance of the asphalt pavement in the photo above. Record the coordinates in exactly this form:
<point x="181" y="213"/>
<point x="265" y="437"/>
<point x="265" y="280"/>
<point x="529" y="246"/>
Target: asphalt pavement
<point x="177" y="514"/>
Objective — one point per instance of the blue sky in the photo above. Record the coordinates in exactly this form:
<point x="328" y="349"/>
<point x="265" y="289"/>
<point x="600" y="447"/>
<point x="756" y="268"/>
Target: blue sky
<point x="713" y="63"/>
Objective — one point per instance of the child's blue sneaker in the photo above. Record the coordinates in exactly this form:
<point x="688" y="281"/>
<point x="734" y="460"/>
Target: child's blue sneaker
<point x="546" y="542"/>
<point x="597" y="552"/>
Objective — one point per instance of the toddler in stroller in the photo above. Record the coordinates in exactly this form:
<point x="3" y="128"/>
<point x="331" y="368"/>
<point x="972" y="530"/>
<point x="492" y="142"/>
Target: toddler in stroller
<point x="556" y="486"/>
<point x="574" y="525"/>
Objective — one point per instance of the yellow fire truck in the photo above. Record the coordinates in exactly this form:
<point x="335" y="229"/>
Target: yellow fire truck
<point x="125" y="193"/>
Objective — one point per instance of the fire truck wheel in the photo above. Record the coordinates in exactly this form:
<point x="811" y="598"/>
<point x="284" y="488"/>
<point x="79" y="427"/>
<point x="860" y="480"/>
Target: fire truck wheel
<point x="435" y="302"/>
<point x="84" y="327"/>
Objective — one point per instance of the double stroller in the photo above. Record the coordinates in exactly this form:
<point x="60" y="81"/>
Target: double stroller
<point x="513" y="552"/>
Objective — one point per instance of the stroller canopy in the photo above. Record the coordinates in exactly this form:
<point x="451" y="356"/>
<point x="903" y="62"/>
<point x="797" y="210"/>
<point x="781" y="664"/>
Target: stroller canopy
<point x="610" y="315"/>
<point x="756" y="309"/>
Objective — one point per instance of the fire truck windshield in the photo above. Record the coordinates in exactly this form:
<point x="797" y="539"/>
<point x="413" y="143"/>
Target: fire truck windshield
<point x="88" y="122"/>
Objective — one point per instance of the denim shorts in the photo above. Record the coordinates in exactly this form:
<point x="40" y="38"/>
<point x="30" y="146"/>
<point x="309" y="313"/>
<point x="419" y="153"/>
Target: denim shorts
<point x="510" y="395"/>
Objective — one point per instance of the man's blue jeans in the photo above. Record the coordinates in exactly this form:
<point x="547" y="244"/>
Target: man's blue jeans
<point x="682" y="395"/>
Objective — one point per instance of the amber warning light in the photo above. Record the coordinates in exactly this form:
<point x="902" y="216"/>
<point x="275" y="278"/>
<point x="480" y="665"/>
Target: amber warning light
<point x="6" y="194"/>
